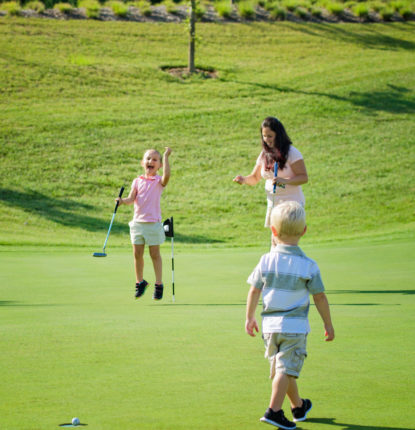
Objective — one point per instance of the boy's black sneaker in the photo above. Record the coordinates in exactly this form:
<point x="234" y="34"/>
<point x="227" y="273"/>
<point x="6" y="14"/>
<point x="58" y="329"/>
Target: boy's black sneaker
<point x="140" y="288"/>
<point x="158" y="291"/>
<point x="277" y="419"/>
<point x="300" y="414"/>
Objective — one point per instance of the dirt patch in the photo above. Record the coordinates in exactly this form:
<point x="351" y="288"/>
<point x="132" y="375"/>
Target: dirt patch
<point x="183" y="72"/>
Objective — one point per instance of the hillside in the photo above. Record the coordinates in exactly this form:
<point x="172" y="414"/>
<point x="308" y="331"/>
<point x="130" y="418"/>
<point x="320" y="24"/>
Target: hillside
<point x="81" y="101"/>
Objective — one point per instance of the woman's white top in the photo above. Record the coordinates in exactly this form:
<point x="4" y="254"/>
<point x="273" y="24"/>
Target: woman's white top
<point x="290" y="192"/>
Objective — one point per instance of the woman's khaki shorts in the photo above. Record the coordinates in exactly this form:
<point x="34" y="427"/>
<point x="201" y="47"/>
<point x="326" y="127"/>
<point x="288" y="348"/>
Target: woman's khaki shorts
<point x="286" y="352"/>
<point x="149" y="233"/>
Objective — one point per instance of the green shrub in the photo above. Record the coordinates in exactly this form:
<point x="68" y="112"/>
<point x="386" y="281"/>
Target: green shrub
<point x="269" y="6"/>
<point x="301" y="12"/>
<point x="278" y="13"/>
<point x="361" y="10"/>
<point x="406" y="12"/>
<point x="11" y="7"/>
<point x="200" y="11"/>
<point x="63" y="7"/>
<point x="396" y="5"/>
<point x="246" y="9"/>
<point x="223" y="8"/>
<point x="316" y="11"/>
<point x="143" y="6"/>
<point x="35" y="5"/>
<point x="386" y="13"/>
<point x="335" y="8"/>
<point x="290" y="5"/>
<point x="351" y="4"/>
<point x="376" y="6"/>
<point x="118" y="7"/>
<point x="171" y="7"/>
<point x="91" y="7"/>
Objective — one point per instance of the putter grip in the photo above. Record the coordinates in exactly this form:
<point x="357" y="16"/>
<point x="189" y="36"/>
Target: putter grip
<point x="119" y="195"/>
<point x="275" y="175"/>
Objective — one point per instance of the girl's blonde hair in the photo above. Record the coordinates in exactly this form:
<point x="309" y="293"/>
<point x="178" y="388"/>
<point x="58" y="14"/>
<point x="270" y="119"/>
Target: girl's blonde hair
<point x="288" y="218"/>
<point x="152" y="150"/>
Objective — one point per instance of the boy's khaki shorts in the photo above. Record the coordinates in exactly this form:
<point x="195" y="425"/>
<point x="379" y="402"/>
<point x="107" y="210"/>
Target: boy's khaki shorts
<point x="286" y="352"/>
<point x="149" y="233"/>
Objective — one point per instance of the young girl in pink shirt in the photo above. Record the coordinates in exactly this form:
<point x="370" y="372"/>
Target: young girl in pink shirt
<point x="146" y="226"/>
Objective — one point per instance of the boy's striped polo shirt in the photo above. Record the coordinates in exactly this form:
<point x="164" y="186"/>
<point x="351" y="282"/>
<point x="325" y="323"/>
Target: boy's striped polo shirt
<point x="286" y="277"/>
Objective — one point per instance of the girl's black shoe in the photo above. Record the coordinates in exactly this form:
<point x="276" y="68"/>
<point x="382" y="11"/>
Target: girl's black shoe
<point x="140" y="288"/>
<point x="158" y="291"/>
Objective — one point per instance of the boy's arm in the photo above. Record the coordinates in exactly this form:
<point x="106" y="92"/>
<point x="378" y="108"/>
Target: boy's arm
<point x="251" y="304"/>
<point x="166" y="167"/>
<point x="322" y="305"/>
<point x="128" y="200"/>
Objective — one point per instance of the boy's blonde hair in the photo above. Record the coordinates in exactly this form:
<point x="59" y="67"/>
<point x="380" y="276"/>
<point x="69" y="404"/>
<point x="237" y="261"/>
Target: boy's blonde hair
<point x="288" y="218"/>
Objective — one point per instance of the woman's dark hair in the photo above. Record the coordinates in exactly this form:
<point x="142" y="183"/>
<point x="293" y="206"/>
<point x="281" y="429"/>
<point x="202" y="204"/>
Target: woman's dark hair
<point x="279" y="152"/>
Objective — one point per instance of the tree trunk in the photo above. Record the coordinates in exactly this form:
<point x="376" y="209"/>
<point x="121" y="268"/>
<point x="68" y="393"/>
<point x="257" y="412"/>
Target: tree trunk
<point x="192" y="35"/>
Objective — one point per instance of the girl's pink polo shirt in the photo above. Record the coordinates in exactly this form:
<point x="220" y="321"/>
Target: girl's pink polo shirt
<point x="147" y="202"/>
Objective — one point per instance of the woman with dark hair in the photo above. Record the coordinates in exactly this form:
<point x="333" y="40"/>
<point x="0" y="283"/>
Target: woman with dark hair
<point x="292" y="173"/>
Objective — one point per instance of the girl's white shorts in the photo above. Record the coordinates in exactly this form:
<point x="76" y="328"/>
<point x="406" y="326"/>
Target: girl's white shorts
<point x="149" y="233"/>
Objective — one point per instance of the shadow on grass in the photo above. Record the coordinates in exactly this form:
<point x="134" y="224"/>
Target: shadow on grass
<point x="393" y="99"/>
<point x="65" y="212"/>
<point x="332" y="421"/>
<point x="203" y="304"/>
<point x="16" y="303"/>
<point x="371" y="37"/>
<point x="60" y="211"/>
<point x="405" y="292"/>
<point x="184" y="238"/>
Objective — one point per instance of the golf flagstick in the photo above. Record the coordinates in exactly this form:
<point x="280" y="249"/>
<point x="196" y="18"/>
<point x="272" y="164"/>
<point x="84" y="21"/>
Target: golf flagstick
<point x="102" y="254"/>
<point x="169" y="230"/>
<point x="172" y="264"/>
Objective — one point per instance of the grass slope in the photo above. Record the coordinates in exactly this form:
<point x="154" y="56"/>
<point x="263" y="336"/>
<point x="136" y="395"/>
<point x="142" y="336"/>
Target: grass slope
<point x="75" y="343"/>
<point x="81" y="101"/>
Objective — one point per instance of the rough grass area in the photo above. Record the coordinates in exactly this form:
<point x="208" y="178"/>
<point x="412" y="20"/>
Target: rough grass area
<point x="81" y="101"/>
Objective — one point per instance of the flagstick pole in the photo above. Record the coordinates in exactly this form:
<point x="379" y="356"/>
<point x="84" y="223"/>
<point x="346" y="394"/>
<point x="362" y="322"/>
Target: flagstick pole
<point x="172" y="265"/>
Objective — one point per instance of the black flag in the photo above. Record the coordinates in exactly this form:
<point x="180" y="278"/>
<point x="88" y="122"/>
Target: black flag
<point x="168" y="227"/>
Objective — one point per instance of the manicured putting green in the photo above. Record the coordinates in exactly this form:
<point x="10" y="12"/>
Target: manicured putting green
<point x="74" y="342"/>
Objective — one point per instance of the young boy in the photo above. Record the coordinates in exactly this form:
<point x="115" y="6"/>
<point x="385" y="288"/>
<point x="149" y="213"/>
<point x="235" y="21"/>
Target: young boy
<point x="146" y="226"/>
<point x="286" y="277"/>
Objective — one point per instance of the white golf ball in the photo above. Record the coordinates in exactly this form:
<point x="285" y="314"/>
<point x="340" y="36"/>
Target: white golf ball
<point x="75" y="421"/>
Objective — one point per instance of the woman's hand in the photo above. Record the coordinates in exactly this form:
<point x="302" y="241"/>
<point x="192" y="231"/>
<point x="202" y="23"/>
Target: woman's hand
<point x="280" y="182"/>
<point x="239" y="179"/>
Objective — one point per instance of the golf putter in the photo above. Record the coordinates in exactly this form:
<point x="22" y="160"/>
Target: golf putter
<point x="102" y="254"/>
<point x="275" y="175"/>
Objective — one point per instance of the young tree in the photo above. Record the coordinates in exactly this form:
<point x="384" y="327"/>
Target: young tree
<point x="192" y="36"/>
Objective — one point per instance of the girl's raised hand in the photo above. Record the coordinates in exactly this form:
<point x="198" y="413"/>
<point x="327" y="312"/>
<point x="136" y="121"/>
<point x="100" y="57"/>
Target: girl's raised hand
<point x="239" y="179"/>
<point x="167" y="151"/>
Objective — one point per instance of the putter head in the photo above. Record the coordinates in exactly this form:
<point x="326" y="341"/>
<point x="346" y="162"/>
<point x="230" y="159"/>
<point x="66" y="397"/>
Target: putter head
<point x="99" y="254"/>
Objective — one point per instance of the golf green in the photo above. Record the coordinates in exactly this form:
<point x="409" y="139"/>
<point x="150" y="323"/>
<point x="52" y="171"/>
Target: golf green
<point x="75" y="342"/>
